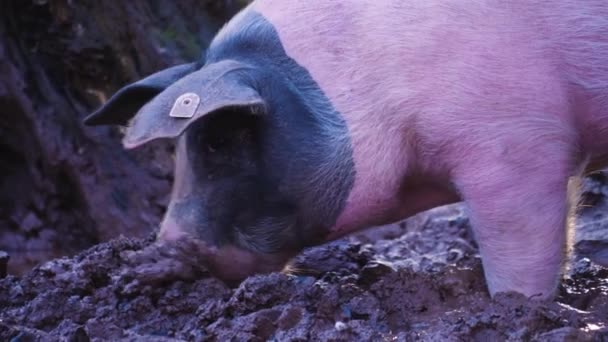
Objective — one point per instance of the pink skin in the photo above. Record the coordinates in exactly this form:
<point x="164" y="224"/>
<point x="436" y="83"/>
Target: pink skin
<point x="504" y="100"/>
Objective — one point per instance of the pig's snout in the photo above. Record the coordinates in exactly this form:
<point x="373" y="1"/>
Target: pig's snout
<point x="230" y="263"/>
<point x="234" y="264"/>
<point x="170" y="230"/>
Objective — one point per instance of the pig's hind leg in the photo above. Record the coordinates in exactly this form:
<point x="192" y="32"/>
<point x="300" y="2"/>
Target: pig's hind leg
<point x="520" y="211"/>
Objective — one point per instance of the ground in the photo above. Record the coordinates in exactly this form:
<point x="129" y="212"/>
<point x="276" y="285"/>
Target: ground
<point x="420" y="279"/>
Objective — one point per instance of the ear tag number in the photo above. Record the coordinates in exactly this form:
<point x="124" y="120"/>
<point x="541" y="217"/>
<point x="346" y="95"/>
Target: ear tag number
<point x="185" y="106"/>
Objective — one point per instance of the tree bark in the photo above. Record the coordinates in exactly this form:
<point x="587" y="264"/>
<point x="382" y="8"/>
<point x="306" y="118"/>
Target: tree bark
<point x="64" y="186"/>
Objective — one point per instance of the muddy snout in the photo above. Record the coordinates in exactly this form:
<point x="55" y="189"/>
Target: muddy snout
<point x="186" y="257"/>
<point x="233" y="264"/>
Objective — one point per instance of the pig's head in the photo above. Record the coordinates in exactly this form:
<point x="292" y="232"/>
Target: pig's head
<point x="263" y="161"/>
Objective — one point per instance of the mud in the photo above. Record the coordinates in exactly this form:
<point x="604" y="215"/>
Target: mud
<point x="417" y="280"/>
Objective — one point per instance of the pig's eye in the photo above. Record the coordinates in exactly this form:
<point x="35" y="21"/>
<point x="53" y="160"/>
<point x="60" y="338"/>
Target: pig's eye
<point x="225" y="133"/>
<point x="216" y="144"/>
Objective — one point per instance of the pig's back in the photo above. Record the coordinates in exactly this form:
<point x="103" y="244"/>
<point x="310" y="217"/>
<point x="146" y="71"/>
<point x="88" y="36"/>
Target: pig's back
<point x="438" y="53"/>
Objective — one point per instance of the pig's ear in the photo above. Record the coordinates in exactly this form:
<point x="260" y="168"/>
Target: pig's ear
<point x="226" y="84"/>
<point x="123" y="105"/>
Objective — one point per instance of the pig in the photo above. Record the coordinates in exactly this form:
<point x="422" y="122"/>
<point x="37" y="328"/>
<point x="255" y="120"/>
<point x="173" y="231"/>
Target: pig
<point x="304" y="121"/>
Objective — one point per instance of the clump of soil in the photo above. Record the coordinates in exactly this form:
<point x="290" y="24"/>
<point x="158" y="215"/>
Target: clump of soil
<point x="419" y="280"/>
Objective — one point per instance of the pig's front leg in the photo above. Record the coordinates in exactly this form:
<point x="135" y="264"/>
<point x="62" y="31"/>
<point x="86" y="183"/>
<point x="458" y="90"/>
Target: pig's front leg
<point x="518" y="205"/>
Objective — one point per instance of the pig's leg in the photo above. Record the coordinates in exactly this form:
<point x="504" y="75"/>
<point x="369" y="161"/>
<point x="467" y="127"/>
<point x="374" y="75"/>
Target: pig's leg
<point x="519" y="207"/>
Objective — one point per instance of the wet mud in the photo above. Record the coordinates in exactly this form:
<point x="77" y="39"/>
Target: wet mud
<point x="418" y="280"/>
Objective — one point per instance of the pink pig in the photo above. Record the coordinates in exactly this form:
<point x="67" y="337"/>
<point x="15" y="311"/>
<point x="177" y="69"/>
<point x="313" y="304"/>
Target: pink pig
<point x="307" y="120"/>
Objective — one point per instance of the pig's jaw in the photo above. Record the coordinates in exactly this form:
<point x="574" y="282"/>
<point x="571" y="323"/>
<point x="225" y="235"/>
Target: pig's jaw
<point x="233" y="264"/>
<point x="229" y="263"/>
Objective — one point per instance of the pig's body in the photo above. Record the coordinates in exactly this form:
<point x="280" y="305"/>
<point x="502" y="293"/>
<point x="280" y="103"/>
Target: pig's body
<point x="444" y="79"/>
<point x="501" y="99"/>
<point x="493" y="102"/>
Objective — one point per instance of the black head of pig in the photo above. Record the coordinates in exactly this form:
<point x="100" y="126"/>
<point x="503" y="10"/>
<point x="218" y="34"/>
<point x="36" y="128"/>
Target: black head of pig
<point x="263" y="161"/>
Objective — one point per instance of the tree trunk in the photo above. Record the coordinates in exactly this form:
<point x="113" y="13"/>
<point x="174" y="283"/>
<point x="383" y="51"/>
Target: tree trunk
<point x="64" y="186"/>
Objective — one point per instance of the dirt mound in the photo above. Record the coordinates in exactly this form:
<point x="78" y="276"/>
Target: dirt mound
<point x="425" y="284"/>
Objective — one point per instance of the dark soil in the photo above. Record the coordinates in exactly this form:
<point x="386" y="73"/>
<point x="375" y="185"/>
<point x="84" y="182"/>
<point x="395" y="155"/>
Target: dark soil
<point x="419" y="280"/>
